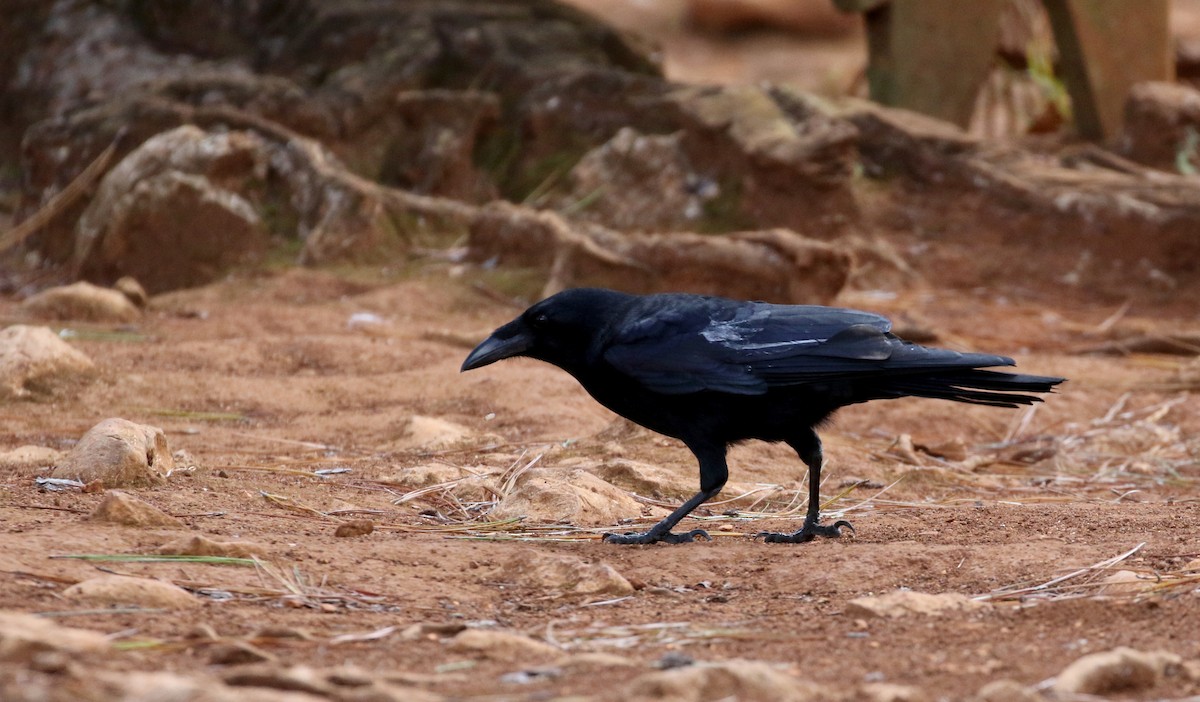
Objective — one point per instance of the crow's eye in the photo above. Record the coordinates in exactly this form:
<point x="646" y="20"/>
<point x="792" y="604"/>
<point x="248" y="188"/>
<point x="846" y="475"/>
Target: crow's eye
<point x="540" y="321"/>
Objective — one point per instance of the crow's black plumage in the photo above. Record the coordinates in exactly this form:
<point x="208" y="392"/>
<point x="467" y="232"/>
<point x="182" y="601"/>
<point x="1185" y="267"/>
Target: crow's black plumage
<point x="712" y="372"/>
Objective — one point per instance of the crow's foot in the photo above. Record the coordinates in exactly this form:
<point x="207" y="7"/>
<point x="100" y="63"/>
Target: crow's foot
<point x="653" y="537"/>
<point x="809" y="532"/>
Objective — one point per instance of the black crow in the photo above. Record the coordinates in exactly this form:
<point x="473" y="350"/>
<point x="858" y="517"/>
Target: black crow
<point x="713" y="372"/>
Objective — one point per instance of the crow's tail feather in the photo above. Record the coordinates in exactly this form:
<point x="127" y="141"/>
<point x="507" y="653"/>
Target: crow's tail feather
<point x="979" y="387"/>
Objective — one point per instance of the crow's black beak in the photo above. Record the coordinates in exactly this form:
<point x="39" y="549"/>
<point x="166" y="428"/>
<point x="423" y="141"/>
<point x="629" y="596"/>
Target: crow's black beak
<point x="497" y="347"/>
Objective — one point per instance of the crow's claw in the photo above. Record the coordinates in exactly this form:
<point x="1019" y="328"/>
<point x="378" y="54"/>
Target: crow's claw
<point x="807" y="533"/>
<point x="649" y="537"/>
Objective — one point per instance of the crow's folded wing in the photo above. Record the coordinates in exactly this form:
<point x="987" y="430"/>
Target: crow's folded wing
<point x="747" y="348"/>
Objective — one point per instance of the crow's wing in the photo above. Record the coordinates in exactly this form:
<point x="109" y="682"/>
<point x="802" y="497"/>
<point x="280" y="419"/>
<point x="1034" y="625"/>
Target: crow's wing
<point x="688" y="345"/>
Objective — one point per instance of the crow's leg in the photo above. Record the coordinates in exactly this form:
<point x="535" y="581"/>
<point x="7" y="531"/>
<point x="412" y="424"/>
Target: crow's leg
<point x="713" y="474"/>
<point x="808" y="447"/>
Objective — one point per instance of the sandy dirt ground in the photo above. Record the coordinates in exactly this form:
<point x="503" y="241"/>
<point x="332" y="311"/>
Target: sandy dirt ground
<point x="263" y="379"/>
<point x="269" y="376"/>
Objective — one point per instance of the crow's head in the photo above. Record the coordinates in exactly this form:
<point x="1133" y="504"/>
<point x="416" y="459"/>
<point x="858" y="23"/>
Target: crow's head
<point x="562" y="329"/>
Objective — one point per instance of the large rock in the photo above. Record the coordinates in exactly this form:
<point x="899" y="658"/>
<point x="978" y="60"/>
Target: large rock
<point x="332" y="72"/>
<point x="120" y="453"/>
<point x="171" y="214"/>
<point x="1096" y="221"/>
<point x="777" y="265"/>
<point x="1160" y="130"/>
<point x="81" y="301"/>
<point x="776" y="168"/>
<point x="35" y="362"/>
<point x="434" y="151"/>
<point x="637" y="182"/>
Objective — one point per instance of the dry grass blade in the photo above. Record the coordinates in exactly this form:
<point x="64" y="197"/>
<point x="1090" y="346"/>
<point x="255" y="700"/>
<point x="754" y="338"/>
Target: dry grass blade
<point x="481" y="527"/>
<point x="78" y="187"/>
<point x="296" y="589"/>
<point x="1055" y="586"/>
<point x="292" y="505"/>
<point x="281" y="471"/>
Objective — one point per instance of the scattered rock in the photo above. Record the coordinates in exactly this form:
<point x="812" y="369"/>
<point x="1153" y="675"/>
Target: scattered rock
<point x="891" y="692"/>
<point x="565" y="574"/>
<point x="1006" y="691"/>
<point x="23" y="636"/>
<point x="1125" y="582"/>
<point x="125" y="509"/>
<point x="431" y="433"/>
<point x="130" y="288"/>
<point x="354" y="527"/>
<point x="34" y="362"/>
<point x="503" y="646"/>
<point x="1119" y="670"/>
<point x="121" y="453"/>
<point x="733" y="679"/>
<point x="81" y="302"/>
<point x="238" y="653"/>
<point x="185" y="462"/>
<point x="156" y="687"/>
<point x="29" y="457"/>
<point x="779" y="165"/>
<point x="326" y="684"/>
<point x="197" y="545"/>
<point x="904" y="602"/>
<point x="565" y="495"/>
<point x="468" y="485"/>
<point x="125" y="590"/>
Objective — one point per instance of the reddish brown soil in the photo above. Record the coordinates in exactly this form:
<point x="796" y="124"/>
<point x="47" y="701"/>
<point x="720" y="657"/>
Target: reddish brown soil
<point x="274" y="352"/>
<point x="261" y="375"/>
